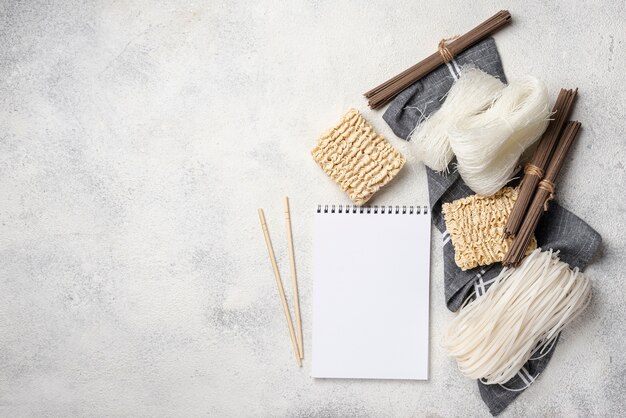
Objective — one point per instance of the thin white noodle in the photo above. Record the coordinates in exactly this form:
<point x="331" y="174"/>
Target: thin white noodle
<point x="522" y="313"/>
<point x="472" y="93"/>
<point x="486" y="124"/>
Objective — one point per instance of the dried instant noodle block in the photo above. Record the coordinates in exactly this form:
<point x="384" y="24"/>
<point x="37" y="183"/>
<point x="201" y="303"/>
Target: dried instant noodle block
<point x="476" y="228"/>
<point x="357" y="158"/>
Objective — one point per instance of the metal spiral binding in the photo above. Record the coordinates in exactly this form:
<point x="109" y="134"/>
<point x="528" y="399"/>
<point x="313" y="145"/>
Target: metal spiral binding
<point x="383" y="210"/>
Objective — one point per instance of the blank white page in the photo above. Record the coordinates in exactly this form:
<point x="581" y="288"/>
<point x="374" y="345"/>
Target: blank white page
<point x="371" y="295"/>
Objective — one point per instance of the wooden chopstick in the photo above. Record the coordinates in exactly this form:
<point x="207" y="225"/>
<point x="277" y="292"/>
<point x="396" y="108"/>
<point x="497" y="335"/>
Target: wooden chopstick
<point x="294" y="280"/>
<point x="279" y="283"/>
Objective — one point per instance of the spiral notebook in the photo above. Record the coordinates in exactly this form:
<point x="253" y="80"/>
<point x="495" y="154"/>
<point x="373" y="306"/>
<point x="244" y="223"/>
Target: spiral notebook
<point x="371" y="268"/>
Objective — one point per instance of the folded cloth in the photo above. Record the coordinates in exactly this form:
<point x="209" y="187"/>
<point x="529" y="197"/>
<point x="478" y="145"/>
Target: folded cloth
<point x="426" y="95"/>
<point x="558" y="228"/>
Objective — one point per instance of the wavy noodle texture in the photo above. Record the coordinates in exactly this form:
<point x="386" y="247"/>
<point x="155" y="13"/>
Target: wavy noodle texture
<point x="357" y="158"/>
<point x="487" y="125"/>
<point x="525" y="309"/>
<point x="476" y="227"/>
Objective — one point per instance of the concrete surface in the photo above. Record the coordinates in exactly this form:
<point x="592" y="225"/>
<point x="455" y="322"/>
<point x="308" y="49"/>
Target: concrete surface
<point x="137" y="140"/>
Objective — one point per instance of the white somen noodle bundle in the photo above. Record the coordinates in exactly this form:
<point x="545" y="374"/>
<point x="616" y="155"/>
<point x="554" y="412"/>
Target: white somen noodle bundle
<point x="488" y="145"/>
<point x="523" y="311"/>
<point x="472" y="93"/>
<point x="487" y="125"/>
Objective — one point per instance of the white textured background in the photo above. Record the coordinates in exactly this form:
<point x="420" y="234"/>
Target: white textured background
<point x="137" y="140"/>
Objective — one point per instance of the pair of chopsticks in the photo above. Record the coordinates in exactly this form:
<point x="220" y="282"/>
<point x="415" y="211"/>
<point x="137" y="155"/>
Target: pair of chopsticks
<point x="296" y="341"/>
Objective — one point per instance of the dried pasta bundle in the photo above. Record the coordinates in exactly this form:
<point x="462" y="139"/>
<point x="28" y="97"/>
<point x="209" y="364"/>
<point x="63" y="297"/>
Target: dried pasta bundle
<point x="476" y="226"/>
<point x="356" y="157"/>
<point x="517" y="319"/>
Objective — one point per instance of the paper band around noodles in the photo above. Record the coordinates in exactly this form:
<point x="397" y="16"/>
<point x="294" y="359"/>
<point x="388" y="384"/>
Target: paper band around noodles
<point x="487" y="125"/>
<point x="525" y="308"/>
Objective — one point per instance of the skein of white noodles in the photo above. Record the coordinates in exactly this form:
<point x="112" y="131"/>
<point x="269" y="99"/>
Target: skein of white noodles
<point x="525" y="308"/>
<point x="488" y="144"/>
<point x="472" y="93"/>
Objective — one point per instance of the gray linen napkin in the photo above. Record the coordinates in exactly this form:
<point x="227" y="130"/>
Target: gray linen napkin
<point x="426" y="95"/>
<point x="558" y="229"/>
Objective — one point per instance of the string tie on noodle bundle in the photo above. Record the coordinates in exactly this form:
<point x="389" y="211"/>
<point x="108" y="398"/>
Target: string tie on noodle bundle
<point x="533" y="170"/>
<point x="548" y="186"/>
<point x="443" y="49"/>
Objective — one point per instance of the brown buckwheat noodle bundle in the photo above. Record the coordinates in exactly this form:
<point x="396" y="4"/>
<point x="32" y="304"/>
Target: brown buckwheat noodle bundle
<point x="384" y="93"/>
<point x="525" y="308"/>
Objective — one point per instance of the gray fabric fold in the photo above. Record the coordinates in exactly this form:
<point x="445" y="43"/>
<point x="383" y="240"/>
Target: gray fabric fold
<point x="558" y="229"/>
<point x="426" y="95"/>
